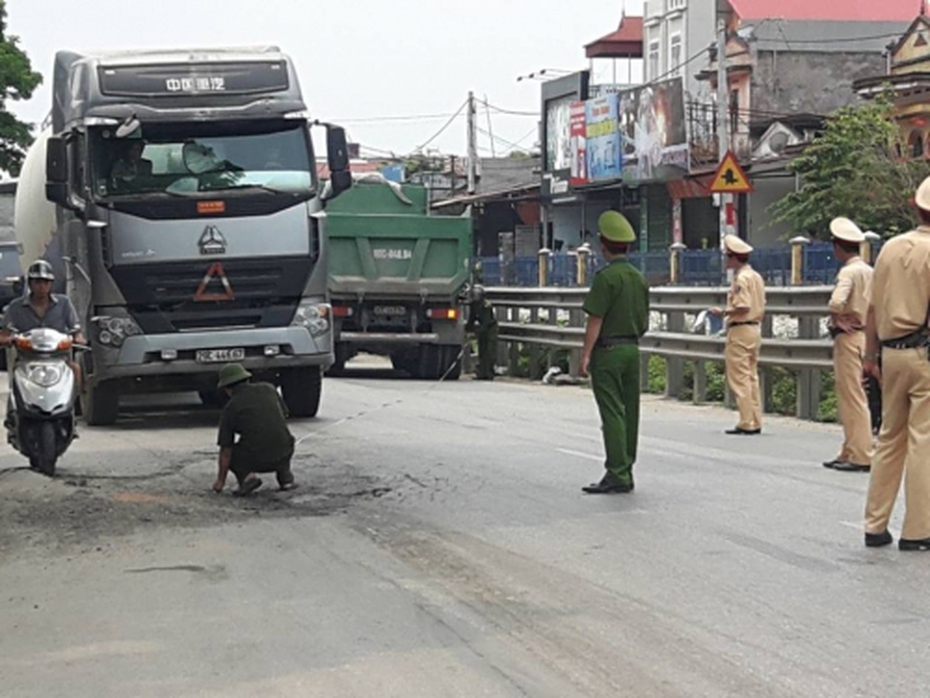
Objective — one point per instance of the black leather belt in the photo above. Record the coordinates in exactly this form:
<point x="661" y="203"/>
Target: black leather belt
<point x="745" y="322"/>
<point x="607" y="342"/>
<point x="911" y="341"/>
<point x="836" y="331"/>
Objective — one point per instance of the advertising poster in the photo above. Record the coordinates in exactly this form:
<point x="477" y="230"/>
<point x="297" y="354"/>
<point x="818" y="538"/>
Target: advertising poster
<point x="605" y="156"/>
<point x="652" y="125"/>
<point x="578" y="134"/>
<point x="558" y="142"/>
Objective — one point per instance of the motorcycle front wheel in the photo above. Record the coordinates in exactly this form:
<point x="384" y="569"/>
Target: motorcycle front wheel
<point x="45" y="455"/>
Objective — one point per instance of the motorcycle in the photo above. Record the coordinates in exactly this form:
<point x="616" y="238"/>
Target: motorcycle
<point x="43" y="391"/>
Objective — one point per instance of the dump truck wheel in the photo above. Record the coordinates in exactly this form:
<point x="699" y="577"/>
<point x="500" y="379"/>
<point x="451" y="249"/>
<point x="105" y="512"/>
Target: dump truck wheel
<point x="302" y="389"/>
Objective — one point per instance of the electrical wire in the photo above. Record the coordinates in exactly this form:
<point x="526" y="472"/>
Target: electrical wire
<point x="380" y="119"/>
<point x="444" y="126"/>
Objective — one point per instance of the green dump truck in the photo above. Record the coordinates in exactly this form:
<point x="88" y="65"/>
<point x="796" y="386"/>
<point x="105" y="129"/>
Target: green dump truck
<point x="397" y="277"/>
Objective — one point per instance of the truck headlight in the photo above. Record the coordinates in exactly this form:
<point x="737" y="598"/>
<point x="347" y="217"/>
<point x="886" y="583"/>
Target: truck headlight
<point x="112" y="330"/>
<point x="43" y="375"/>
<point x="314" y="317"/>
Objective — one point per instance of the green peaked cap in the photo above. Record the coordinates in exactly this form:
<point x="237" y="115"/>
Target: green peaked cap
<point x="615" y="227"/>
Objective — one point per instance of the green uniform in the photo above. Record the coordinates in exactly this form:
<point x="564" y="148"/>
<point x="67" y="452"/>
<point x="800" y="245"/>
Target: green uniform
<point x="481" y="314"/>
<point x="619" y="295"/>
<point x="255" y="412"/>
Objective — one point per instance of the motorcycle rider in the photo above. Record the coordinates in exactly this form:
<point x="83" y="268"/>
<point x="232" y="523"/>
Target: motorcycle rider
<point x="39" y="307"/>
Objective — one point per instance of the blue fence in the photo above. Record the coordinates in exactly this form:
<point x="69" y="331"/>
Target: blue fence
<point x="698" y="267"/>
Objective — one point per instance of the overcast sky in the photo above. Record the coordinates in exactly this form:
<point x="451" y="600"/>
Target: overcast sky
<point x="358" y="60"/>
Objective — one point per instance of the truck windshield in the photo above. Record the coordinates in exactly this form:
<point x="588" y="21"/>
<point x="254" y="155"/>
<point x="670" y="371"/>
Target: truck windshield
<point x="185" y="160"/>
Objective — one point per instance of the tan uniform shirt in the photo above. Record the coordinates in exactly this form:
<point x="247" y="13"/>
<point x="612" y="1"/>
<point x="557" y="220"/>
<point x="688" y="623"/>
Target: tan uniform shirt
<point x="850" y="299"/>
<point x="746" y="293"/>
<point x="901" y="285"/>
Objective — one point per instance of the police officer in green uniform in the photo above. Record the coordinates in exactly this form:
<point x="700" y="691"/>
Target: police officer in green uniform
<point x="257" y="415"/>
<point x="618" y="316"/>
<point x="481" y="315"/>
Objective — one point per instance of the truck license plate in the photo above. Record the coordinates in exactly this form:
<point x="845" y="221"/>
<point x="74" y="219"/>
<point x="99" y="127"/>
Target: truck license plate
<point x="390" y="310"/>
<point x="217" y="356"/>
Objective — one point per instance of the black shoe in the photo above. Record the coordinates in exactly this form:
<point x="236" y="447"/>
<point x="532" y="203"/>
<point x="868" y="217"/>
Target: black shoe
<point x="248" y="487"/>
<point x="286" y="481"/>
<point x="832" y="463"/>
<point x="743" y="432"/>
<point x="910" y="545"/>
<point x="878" y="540"/>
<point x="608" y="486"/>
<point x="852" y="468"/>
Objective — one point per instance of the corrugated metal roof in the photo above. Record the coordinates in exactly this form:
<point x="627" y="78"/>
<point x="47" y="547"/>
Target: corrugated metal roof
<point x="836" y="10"/>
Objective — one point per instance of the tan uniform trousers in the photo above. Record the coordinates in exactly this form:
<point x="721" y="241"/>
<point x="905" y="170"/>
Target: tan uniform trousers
<point x="848" y="350"/>
<point x="904" y="441"/>
<point x="742" y="362"/>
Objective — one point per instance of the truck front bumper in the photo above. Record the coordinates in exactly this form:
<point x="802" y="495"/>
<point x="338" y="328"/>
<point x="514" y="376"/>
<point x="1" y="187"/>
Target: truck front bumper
<point x="148" y="355"/>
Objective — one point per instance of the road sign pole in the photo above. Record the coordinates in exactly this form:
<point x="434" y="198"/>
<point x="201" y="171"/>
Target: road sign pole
<point x="723" y="118"/>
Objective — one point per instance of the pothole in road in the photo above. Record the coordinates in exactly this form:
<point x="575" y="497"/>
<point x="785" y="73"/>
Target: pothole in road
<point x="78" y="510"/>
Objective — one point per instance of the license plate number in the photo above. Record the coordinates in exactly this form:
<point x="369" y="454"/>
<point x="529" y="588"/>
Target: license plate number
<point x="390" y="310"/>
<point x="218" y="356"/>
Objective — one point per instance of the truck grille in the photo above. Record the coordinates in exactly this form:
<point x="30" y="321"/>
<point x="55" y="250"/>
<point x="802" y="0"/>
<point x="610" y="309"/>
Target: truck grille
<point x="172" y="298"/>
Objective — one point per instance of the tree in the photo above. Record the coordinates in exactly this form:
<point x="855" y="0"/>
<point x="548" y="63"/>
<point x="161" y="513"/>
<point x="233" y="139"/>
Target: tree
<point x="856" y="168"/>
<point x="17" y="82"/>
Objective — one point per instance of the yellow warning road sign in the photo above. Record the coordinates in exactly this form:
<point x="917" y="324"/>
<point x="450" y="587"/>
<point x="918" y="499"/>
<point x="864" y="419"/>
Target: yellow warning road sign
<point x="730" y="178"/>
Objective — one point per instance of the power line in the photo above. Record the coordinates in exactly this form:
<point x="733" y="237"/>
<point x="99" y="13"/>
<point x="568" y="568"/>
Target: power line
<point x="503" y="141"/>
<point x="512" y="112"/>
<point x="444" y="126"/>
<point x="378" y="119"/>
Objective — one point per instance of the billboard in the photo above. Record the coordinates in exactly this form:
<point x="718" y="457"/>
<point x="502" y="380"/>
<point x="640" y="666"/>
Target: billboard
<point x="578" y="135"/>
<point x="604" y="154"/>
<point x="558" y="138"/>
<point x="655" y="139"/>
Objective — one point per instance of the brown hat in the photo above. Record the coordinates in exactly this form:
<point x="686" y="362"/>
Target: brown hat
<point x="845" y="230"/>
<point x="922" y="199"/>
<point x="735" y="245"/>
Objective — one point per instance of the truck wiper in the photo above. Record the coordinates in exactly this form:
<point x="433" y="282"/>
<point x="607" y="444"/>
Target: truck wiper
<point x="261" y="187"/>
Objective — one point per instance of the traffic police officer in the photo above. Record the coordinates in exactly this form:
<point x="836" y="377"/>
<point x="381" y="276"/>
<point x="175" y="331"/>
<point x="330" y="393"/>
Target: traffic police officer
<point x="897" y="327"/>
<point x="481" y="315"/>
<point x="256" y="413"/>
<point x="849" y="306"/>
<point x="618" y="316"/>
<point x="744" y="312"/>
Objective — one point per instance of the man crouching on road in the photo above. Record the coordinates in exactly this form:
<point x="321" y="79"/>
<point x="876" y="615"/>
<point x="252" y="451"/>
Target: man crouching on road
<point x="256" y="413"/>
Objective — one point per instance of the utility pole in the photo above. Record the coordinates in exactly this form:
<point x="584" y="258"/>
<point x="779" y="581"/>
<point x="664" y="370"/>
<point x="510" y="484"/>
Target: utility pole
<point x="472" y="144"/>
<point x="723" y="124"/>
<point x="487" y="109"/>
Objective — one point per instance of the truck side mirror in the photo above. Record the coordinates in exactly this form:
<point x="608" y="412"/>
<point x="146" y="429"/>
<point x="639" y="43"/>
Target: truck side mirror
<point x="56" y="171"/>
<point x="337" y="155"/>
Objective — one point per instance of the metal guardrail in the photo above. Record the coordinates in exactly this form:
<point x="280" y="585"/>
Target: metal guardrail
<point x="552" y="318"/>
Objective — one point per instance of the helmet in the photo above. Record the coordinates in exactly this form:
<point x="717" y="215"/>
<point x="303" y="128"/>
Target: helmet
<point x="40" y="269"/>
<point x="231" y="374"/>
<point x="477" y="292"/>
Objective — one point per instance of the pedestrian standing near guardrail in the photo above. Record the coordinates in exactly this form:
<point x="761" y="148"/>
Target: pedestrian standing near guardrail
<point x="897" y="322"/>
<point x="618" y="316"/>
<point x="849" y="307"/>
<point x="744" y="312"/>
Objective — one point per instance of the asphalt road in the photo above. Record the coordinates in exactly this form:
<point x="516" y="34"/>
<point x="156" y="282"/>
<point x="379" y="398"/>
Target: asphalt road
<point x="439" y="545"/>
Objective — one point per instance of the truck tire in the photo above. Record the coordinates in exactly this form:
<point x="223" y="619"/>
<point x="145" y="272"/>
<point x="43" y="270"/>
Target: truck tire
<point x="452" y="362"/>
<point x="302" y="389"/>
<point x="429" y="363"/>
<point x="402" y="362"/>
<point x="100" y="404"/>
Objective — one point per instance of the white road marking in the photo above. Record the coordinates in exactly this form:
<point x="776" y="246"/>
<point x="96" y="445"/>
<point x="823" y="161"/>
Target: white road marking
<point x="579" y="454"/>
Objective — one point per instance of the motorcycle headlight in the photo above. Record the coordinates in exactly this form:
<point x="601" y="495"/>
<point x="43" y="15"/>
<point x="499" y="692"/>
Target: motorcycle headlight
<point x="43" y="375"/>
<point x="113" y="330"/>
<point x="314" y="317"/>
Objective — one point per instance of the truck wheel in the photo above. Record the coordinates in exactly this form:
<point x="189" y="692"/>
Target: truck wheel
<point x="402" y="362"/>
<point x="302" y="388"/>
<point x="213" y="398"/>
<point x="46" y="449"/>
<point x="451" y="362"/>
<point x="430" y="362"/>
<point x="100" y="404"/>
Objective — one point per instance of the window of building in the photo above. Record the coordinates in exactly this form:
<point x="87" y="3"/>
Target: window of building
<point x="653" y="60"/>
<point x="674" y="54"/>
<point x="675" y="5"/>
<point x="915" y="143"/>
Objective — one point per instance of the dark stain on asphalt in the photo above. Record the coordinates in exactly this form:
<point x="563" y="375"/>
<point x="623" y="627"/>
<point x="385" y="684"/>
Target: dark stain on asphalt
<point x="213" y="573"/>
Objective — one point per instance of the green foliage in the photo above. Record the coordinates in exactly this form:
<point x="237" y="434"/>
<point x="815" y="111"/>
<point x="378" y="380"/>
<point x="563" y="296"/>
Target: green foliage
<point x="828" y="409"/>
<point x="17" y="82"/>
<point x="784" y="391"/>
<point x="656" y="384"/>
<point x="855" y="169"/>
